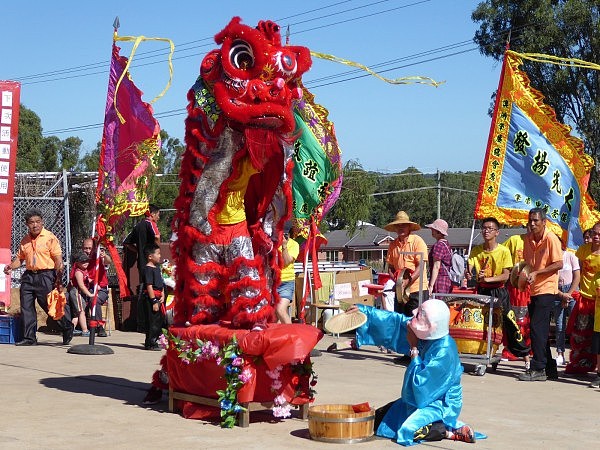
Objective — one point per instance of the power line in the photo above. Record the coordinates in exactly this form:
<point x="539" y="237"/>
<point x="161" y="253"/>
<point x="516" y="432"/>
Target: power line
<point x="149" y="53"/>
<point x="422" y="188"/>
<point x="397" y="60"/>
<point x="209" y="40"/>
<point x="313" y="84"/>
<point x="363" y="75"/>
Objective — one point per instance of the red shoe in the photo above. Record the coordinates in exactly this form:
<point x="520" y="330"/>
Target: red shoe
<point x="464" y="434"/>
<point x="508" y="356"/>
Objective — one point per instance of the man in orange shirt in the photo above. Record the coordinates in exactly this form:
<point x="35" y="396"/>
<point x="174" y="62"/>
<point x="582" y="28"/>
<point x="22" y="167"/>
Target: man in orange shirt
<point x="542" y="251"/>
<point x="40" y="249"/>
<point x="408" y="251"/>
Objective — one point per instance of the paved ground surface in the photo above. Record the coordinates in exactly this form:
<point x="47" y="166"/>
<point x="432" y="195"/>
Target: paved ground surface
<point x="52" y="399"/>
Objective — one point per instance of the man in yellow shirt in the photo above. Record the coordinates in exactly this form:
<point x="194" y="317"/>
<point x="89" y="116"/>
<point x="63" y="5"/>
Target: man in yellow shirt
<point x="492" y="263"/>
<point x="41" y="252"/>
<point x="408" y="251"/>
<point x="542" y="251"/>
<point x="289" y="251"/>
<point x="515" y="245"/>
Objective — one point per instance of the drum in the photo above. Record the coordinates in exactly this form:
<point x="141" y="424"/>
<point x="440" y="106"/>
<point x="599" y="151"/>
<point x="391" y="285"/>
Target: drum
<point x="402" y="287"/>
<point x="469" y="327"/>
<point x="519" y="274"/>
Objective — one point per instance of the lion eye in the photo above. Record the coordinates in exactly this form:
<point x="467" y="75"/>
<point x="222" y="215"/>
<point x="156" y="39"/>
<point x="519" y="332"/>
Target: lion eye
<point x="241" y="55"/>
<point x="286" y="63"/>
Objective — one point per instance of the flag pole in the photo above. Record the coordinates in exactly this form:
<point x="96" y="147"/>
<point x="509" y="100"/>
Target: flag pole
<point x="91" y="348"/>
<point x="470" y="245"/>
<point x="482" y="180"/>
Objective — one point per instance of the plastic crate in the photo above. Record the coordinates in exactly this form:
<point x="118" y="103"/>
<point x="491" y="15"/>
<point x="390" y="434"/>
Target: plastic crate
<point x="10" y="329"/>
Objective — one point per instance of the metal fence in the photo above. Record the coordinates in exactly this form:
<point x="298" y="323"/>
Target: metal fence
<point x="59" y="196"/>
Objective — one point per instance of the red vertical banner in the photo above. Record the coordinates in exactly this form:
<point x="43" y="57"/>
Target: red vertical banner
<point x="10" y="92"/>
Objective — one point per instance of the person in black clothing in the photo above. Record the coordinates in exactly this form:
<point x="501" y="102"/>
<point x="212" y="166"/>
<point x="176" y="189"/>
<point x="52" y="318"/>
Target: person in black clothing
<point x="145" y="232"/>
<point x="153" y="296"/>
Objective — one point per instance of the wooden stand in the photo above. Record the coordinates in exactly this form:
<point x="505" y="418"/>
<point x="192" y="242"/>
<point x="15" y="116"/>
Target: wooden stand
<point x="243" y="417"/>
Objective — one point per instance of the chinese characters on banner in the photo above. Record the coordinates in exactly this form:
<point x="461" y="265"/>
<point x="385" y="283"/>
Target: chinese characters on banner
<point x="532" y="161"/>
<point x="316" y="179"/>
<point x="9" y="123"/>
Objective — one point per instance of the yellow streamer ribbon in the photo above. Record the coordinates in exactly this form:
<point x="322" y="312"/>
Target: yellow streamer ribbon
<point x="404" y="80"/>
<point x="137" y="41"/>
<point x="557" y="60"/>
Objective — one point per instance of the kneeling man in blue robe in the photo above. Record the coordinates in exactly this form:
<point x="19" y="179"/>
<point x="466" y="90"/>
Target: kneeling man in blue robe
<point x="431" y="398"/>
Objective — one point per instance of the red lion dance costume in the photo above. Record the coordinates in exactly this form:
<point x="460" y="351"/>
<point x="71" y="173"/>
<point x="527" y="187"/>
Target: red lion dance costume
<point x="235" y="192"/>
<point x="234" y="199"/>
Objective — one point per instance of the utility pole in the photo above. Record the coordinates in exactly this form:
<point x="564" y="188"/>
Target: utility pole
<point x="439" y="192"/>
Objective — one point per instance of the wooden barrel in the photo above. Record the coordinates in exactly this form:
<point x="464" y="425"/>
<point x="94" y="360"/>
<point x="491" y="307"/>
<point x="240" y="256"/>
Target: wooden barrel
<point x="469" y="327"/>
<point x="340" y="424"/>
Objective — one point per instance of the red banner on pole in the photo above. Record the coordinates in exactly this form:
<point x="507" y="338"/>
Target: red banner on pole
<point x="10" y="92"/>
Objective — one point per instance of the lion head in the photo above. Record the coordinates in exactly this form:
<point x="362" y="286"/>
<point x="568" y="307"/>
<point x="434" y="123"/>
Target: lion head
<point x="253" y="77"/>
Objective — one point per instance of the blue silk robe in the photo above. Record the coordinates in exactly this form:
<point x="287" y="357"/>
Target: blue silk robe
<point x="431" y="390"/>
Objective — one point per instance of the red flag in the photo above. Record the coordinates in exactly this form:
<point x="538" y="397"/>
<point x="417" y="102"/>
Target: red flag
<point x="129" y="143"/>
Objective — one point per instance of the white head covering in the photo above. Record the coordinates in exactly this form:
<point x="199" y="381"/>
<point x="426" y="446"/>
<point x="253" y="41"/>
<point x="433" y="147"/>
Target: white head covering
<point x="431" y="321"/>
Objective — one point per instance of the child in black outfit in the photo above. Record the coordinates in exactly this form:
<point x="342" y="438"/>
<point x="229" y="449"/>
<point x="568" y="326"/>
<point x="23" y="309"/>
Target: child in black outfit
<point x="154" y="295"/>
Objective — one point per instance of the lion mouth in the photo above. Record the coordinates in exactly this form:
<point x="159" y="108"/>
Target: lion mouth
<point x="267" y="121"/>
<point x="264" y="119"/>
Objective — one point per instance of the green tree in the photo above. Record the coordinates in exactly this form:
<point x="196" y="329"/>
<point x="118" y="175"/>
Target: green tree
<point x="50" y="149"/>
<point x="410" y="191"/>
<point x="30" y="141"/>
<point x="164" y="186"/>
<point x="36" y="153"/>
<point x="90" y="161"/>
<point x="355" y="200"/>
<point x="458" y="196"/>
<point x="172" y="149"/>
<point x="563" y="28"/>
<point x="69" y="152"/>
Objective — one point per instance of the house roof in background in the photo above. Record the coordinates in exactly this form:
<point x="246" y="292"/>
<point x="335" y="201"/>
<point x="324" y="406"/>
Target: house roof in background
<point x="364" y="236"/>
<point x="370" y="236"/>
<point x="460" y="237"/>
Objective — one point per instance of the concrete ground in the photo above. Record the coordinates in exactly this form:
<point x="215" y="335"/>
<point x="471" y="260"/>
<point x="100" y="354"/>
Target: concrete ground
<point x="52" y="399"/>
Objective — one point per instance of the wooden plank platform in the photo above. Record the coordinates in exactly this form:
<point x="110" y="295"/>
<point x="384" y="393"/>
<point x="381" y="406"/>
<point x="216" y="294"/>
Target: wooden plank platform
<point x="243" y="417"/>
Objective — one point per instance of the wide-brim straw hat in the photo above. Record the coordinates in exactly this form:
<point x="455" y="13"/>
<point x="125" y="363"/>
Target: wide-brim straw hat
<point x="518" y="275"/>
<point x="439" y="225"/>
<point x="344" y="322"/>
<point x="400" y="219"/>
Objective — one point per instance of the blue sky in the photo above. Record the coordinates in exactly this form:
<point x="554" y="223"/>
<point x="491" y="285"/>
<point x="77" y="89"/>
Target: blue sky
<point x="387" y="128"/>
